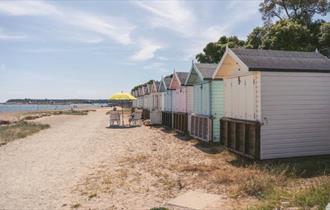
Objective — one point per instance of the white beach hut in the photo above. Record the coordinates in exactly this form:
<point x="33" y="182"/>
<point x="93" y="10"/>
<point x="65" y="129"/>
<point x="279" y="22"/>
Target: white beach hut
<point x="166" y="106"/>
<point x="146" y="102"/>
<point x="140" y="92"/>
<point x="179" y="100"/>
<point x="155" y="101"/>
<point x="277" y="103"/>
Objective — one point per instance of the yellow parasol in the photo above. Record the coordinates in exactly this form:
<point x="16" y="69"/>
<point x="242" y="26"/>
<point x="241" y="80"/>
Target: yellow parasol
<point x="122" y="97"/>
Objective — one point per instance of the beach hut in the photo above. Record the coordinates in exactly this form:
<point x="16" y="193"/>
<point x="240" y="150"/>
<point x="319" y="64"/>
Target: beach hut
<point x="140" y="97"/>
<point x="134" y="92"/>
<point x="208" y="102"/>
<point x="146" y="101"/>
<point x="161" y="90"/>
<point x="179" y="101"/>
<point x="155" y="109"/>
<point x="277" y="103"/>
<point x="166" y="106"/>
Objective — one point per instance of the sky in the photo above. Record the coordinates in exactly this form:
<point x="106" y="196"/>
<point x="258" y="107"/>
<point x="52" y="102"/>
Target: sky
<point x="93" y="48"/>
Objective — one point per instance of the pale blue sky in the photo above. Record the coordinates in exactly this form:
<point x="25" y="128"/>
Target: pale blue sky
<point x="91" y="49"/>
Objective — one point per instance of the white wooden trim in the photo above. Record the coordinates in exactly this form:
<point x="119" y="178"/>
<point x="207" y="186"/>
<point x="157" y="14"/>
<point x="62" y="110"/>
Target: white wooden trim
<point x="220" y="64"/>
<point x="177" y="78"/>
<point x="185" y="83"/>
<point x="174" y="73"/>
<point x="194" y="67"/>
<point x="162" y="81"/>
<point x="234" y="56"/>
<point x="198" y="72"/>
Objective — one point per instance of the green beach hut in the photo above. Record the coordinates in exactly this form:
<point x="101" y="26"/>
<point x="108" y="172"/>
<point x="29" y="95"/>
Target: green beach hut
<point x="208" y="102"/>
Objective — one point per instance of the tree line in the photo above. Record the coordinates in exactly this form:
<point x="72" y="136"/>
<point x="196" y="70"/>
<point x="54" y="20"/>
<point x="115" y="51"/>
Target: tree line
<point x="288" y="25"/>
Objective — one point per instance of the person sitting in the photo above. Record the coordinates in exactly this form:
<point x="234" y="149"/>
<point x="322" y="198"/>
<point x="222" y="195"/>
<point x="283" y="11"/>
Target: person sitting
<point x="135" y="117"/>
<point x="114" y="117"/>
<point x="131" y="117"/>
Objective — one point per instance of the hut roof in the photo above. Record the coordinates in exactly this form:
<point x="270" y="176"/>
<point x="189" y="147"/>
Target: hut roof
<point x="167" y="80"/>
<point x="206" y="69"/>
<point x="278" y="60"/>
<point x="182" y="76"/>
<point x="157" y="84"/>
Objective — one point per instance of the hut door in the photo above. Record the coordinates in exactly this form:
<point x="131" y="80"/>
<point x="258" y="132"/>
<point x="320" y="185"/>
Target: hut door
<point x="240" y="93"/>
<point x="250" y="98"/>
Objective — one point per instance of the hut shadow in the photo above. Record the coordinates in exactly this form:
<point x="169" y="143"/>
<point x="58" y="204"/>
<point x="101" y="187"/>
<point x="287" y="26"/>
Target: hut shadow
<point x="178" y="135"/>
<point x="121" y="127"/>
<point x="154" y="126"/>
<point x="166" y="130"/>
<point x="183" y="136"/>
<point x="209" y="148"/>
<point x="300" y="167"/>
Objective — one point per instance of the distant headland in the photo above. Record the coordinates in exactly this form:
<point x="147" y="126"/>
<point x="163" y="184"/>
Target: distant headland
<point x="57" y="101"/>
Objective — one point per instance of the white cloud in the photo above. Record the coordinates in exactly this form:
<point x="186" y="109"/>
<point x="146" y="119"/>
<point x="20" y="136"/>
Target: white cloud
<point x="115" y="28"/>
<point x="106" y="26"/>
<point x="85" y="38"/>
<point x="173" y="15"/>
<point x="179" y="17"/>
<point x="243" y="11"/>
<point x="32" y="8"/>
<point x="147" y="50"/>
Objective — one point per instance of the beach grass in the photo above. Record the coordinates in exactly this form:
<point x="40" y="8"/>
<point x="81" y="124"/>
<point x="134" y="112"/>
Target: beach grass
<point x="302" y="183"/>
<point x="36" y="115"/>
<point x="315" y="196"/>
<point x="19" y="130"/>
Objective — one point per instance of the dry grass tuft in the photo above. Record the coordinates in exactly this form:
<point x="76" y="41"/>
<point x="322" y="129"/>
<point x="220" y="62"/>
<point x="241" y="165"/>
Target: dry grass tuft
<point x="102" y="181"/>
<point x="19" y="130"/>
<point x="197" y="168"/>
<point x="36" y="115"/>
<point x="136" y="159"/>
<point x="75" y="206"/>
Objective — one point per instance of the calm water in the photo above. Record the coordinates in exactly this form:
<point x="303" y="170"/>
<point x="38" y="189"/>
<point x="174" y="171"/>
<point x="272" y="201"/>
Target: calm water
<point x="32" y="107"/>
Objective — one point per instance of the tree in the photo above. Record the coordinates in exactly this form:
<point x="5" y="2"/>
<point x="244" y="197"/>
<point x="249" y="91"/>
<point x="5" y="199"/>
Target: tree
<point x="287" y="35"/>
<point x="254" y="39"/>
<point x="324" y="39"/>
<point x="302" y="11"/>
<point x="214" y="51"/>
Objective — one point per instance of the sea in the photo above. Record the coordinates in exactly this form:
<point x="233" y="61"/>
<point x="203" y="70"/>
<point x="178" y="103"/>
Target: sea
<point x="40" y="107"/>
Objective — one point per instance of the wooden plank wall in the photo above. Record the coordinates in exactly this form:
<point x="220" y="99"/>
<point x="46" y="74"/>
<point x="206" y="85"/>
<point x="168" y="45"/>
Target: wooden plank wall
<point x="146" y="114"/>
<point x="201" y="127"/>
<point x="167" y="119"/>
<point x="180" y="122"/>
<point x="241" y="136"/>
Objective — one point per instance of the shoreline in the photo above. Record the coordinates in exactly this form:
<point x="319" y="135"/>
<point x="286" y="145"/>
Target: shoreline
<point x="18" y="115"/>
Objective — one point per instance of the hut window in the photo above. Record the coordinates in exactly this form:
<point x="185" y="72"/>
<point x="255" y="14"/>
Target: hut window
<point x="239" y="80"/>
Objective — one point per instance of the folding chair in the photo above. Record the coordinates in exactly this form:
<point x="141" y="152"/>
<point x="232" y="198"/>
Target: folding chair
<point x="114" y="118"/>
<point x="136" y="116"/>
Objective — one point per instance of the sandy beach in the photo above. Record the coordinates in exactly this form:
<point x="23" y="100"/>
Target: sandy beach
<point x="79" y="162"/>
<point x="10" y="116"/>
